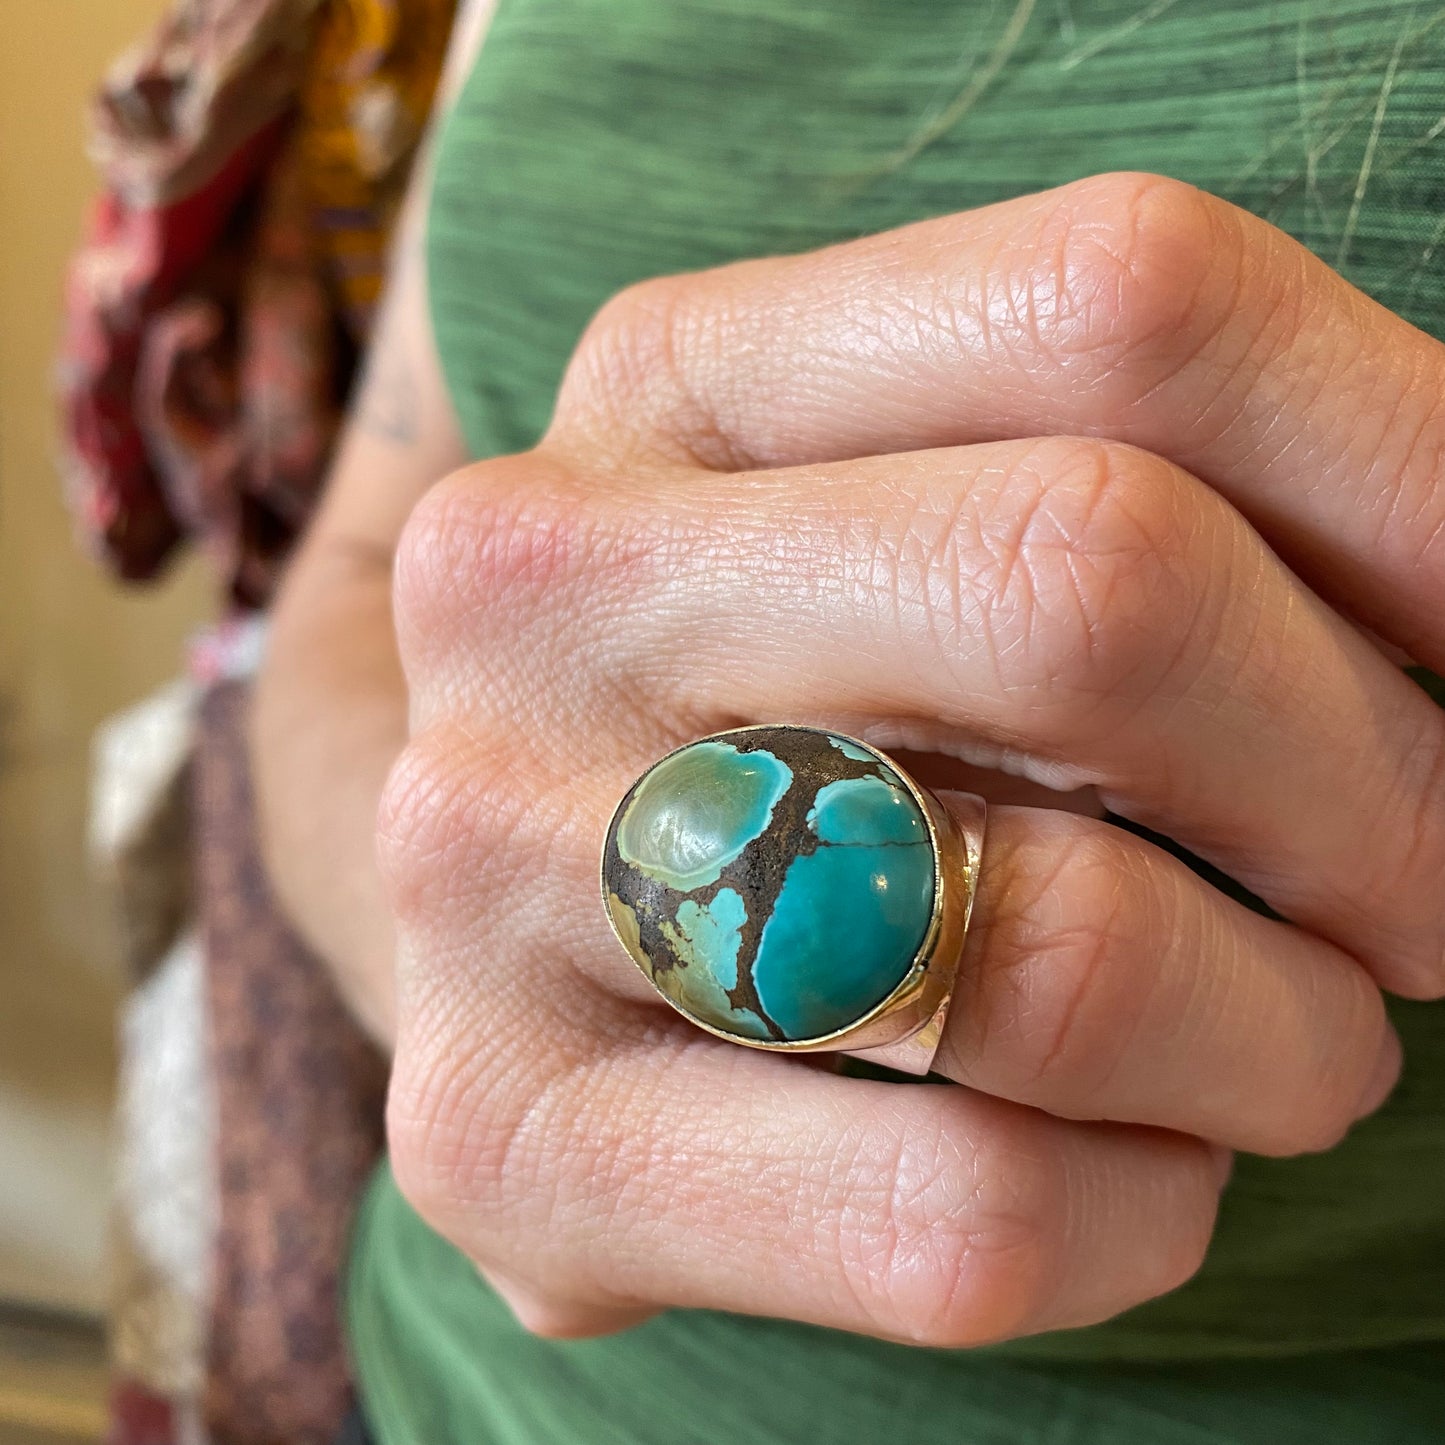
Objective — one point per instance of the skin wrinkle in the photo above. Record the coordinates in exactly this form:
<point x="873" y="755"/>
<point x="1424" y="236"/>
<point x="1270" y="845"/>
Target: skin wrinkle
<point x="997" y="1277"/>
<point x="1092" y="972"/>
<point x="690" y="332"/>
<point x="1211" y="319"/>
<point x="1266" y="431"/>
<point x="538" y="557"/>
<point x="453" y="1123"/>
<point x="863" y="1231"/>
<point x="1215" y="999"/>
<point x="1103" y="548"/>
<point x="1033" y="966"/>
<point x="619" y="1169"/>
<point x="615" y="1131"/>
<point x="1123" y="284"/>
<point x="628" y="362"/>
<point x="930" y="573"/>
<point x="1397" y="519"/>
<point x="540" y="1129"/>
<point x="1252" y="356"/>
<point x="1367" y="434"/>
<point x="1053" y="913"/>
<point x="585" y="1193"/>
<point x="954" y="1285"/>
<point x="471" y="558"/>
<point x="1008" y="613"/>
<point x="440" y="824"/>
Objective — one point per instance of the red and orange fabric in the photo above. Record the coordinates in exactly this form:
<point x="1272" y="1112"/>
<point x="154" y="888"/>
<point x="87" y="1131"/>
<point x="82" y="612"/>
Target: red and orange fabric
<point x="254" y="153"/>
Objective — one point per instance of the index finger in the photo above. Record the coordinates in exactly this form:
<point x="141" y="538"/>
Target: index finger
<point x="1129" y="306"/>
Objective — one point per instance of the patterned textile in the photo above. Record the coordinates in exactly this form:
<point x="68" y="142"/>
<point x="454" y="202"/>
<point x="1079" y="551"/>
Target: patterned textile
<point x="254" y="153"/>
<point x="250" y="1105"/>
<point x="164" y="1211"/>
<point x="299" y="1097"/>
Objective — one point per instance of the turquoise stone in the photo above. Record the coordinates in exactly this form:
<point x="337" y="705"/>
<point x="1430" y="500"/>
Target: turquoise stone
<point x="775" y="883"/>
<point x="695" y="812"/>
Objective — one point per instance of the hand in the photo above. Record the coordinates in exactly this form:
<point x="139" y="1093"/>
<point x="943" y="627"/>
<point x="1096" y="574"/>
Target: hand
<point x="1001" y="487"/>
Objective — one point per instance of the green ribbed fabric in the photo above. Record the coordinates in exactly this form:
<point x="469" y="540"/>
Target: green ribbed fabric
<point x="601" y="141"/>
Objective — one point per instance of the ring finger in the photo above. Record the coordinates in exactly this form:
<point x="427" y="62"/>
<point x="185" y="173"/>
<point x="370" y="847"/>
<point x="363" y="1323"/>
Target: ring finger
<point x="1101" y="979"/>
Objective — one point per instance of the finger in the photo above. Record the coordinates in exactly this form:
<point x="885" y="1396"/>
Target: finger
<point x="673" y="1170"/>
<point x="1102" y="979"/>
<point x="1077" y="611"/>
<point x="1132" y="307"/>
<point x="616" y="1160"/>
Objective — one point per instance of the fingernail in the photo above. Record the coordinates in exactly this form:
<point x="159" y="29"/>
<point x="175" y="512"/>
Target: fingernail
<point x="1223" y="1163"/>
<point x="1384" y="1076"/>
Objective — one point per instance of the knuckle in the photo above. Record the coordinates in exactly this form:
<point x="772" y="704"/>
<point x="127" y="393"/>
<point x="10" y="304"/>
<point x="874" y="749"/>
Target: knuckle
<point x="1058" y="986"/>
<point x="449" y="1135"/>
<point x="632" y="374"/>
<point x="454" y="822"/>
<point x="485" y="545"/>
<point x="627" y="349"/>
<point x="958" y="1252"/>
<point x="1316" y="1107"/>
<point x="1085" y="576"/>
<point x="1129" y="266"/>
<point x="1186" y="1243"/>
<point x="473" y="1132"/>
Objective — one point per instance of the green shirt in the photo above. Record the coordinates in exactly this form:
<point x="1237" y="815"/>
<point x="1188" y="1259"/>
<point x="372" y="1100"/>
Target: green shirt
<point x="601" y="141"/>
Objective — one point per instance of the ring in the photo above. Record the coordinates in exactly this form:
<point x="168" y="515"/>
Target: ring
<point x="793" y="889"/>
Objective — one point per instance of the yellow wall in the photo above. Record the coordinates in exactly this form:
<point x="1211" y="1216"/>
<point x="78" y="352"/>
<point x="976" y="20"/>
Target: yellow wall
<point x="73" y="648"/>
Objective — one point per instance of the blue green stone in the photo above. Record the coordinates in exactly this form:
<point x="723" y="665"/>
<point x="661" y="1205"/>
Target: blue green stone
<point x="697" y="810"/>
<point x="706" y="938"/>
<point x="866" y="895"/>
<point x="775" y="883"/>
<point x="850" y="750"/>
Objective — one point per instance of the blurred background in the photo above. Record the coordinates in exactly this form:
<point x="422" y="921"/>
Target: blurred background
<point x="74" y="648"/>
